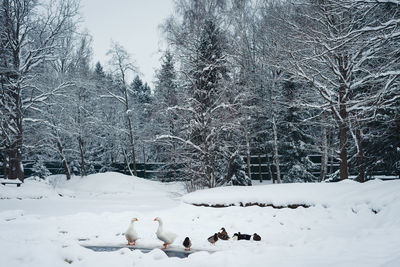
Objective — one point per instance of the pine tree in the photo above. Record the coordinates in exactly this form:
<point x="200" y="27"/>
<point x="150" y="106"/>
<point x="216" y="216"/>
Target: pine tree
<point x="109" y="122"/>
<point x="166" y="119"/>
<point x="296" y="141"/>
<point x="142" y="101"/>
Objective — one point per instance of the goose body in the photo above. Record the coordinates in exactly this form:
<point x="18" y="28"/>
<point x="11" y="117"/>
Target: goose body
<point x="165" y="236"/>
<point x="130" y="234"/>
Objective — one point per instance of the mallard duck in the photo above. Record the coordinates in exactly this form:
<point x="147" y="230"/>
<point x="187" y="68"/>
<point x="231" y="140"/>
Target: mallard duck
<point x="239" y="236"/>
<point x="187" y="244"/>
<point x="256" y="237"/>
<point x="223" y="234"/>
<point x="212" y="239"/>
<point x="165" y="236"/>
<point x="131" y="234"/>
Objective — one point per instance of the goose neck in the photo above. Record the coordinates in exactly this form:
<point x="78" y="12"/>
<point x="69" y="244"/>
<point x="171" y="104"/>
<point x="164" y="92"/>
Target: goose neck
<point x="160" y="225"/>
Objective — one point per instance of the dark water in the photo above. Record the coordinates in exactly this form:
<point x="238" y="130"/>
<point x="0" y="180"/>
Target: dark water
<point x="178" y="254"/>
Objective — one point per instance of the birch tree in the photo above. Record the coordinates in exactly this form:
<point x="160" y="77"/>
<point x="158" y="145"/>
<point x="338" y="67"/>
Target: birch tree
<point x="121" y="64"/>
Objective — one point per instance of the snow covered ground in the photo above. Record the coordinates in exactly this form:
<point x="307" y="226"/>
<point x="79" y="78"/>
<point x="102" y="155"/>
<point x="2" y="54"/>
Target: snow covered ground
<point x="375" y="194"/>
<point x="43" y="223"/>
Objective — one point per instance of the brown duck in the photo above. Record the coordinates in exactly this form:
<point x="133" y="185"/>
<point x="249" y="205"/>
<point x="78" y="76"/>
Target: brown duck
<point x="212" y="239"/>
<point x="223" y="234"/>
<point x="256" y="237"/>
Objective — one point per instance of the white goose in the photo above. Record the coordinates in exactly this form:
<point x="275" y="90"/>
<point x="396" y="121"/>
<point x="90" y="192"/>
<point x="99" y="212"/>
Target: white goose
<point x="165" y="236"/>
<point x="131" y="234"/>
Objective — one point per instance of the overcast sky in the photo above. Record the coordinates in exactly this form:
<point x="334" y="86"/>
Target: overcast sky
<point x="132" y="23"/>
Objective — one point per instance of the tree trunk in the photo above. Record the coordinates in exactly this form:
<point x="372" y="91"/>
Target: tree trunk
<point x="16" y="170"/>
<point x="130" y="129"/>
<point x="174" y="161"/>
<point x="248" y="155"/>
<point x="211" y="182"/>
<point x="276" y="159"/>
<point x="17" y="166"/>
<point x="360" y="157"/>
<point x="127" y="161"/>
<point x="269" y="168"/>
<point x="259" y="168"/>
<point x="230" y="172"/>
<point x="324" y="156"/>
<point x="5" y="162"/>
<point x="343" y="127"/>
<point x="343" y="151"/>
<point x="64" y="160"/>
<point x="11" y="170"/>
<point x="83" y="168"/>
<point x="144" y="164"/>
<point x="330" y="144"/>
<point x="132" y="141"/>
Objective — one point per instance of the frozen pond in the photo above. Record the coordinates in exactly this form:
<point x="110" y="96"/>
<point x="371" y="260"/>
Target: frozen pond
<point x="169" y="253"/>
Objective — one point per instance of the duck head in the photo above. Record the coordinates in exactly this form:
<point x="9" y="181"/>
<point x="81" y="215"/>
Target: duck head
<point x="235" y="237"/>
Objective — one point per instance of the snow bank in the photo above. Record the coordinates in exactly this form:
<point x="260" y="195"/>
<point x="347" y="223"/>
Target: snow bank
<point x="103" y="192"/>
<point x="30" y="189"/>
<point x="113" y="184"/>
<point x="102" y="184"/>
<point x="376" y="194"/>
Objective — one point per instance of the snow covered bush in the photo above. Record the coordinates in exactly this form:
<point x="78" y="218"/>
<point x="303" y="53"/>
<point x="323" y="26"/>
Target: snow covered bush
<point x="235" y="174"/>
<point x="40" y="170"/>
<point x="298" y="174"/>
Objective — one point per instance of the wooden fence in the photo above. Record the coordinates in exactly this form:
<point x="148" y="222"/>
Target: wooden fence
<point x="258" y="165"/>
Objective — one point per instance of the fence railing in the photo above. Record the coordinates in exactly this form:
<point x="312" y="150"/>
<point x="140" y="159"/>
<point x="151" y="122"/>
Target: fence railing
<point x="259" y="165"/>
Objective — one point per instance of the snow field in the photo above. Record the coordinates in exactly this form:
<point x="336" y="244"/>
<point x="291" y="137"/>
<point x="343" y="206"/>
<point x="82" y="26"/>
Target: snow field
<point x="339" y="230"/>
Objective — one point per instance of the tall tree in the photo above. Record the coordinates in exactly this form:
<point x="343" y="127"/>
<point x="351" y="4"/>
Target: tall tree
<point x="122" y="64"/>
<point x="31" y="32"/>
<point x="142" y="101"/>
<point x="166" y="116"/>
<point x="211" y="100"/>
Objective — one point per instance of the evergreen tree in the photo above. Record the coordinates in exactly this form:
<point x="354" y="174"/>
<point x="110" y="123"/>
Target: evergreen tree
<point x="166" y="119"/>
<point x="295" y="142"/>
<point x="142" y="101"/>
<point x="99" y="71"/>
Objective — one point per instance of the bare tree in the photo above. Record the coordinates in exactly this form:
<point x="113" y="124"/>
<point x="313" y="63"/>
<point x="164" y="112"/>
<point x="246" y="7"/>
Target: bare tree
<point x="30" y="31"/>
<point x="330" y="47"/>
<point x="122" y="64"/>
